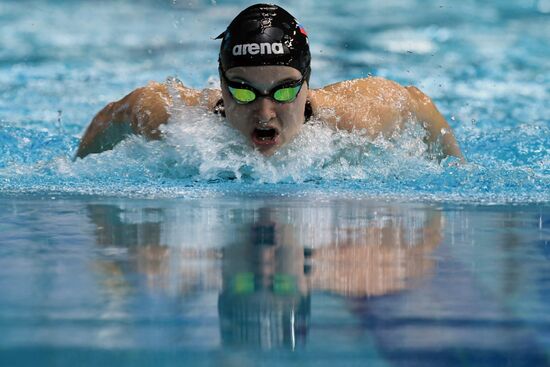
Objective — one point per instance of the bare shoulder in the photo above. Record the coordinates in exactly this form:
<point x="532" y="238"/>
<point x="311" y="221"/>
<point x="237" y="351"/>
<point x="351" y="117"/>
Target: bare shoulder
<point x="381" y="106"/>
<point x="437" y="127"/>
<point x="417" y="94"/>
<point x="369" y="84"/>
<point x="141" y="112"/>
<point x="376" y="90"/>
<point x="423" y="105"/>
<point x="376" y="104"/>
<point x="166" y="94"/>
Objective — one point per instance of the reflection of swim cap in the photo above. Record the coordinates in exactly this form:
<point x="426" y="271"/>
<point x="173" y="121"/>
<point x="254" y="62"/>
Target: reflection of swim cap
<point x="264" y="34"/>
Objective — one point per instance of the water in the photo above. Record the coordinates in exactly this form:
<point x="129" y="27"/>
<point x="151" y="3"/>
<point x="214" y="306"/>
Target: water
<point x="300" y="282"/>
<point x="337" y="250"/>
<point x="485" y="65"/>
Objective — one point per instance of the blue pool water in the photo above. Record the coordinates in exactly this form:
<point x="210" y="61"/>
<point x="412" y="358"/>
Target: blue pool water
<point x="271" y="281"/>
<point x="338" y="250"/>
<point x="485" y="65"/>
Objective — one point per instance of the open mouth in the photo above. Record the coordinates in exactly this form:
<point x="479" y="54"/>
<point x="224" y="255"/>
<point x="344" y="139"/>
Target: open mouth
<point x="265" y="135"/>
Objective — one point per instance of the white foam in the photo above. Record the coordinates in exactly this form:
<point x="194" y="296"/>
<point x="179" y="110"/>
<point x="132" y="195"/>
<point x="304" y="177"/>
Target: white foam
<point x="206" y="147"/>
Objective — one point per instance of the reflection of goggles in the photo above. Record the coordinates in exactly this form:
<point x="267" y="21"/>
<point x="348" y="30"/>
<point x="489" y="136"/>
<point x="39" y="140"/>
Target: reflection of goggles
<point x="245" y="283"/>
<point x="243" y="93"/>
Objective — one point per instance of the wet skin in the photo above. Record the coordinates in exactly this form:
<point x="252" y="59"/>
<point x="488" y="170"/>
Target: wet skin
<point x="284" y="119"/>
<point x="373" y="106"/>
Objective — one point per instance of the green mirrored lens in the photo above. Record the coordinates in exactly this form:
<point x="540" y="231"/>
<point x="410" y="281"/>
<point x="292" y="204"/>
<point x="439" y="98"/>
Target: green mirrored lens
<point x="286" y="94"/>
<point x="284" y="284"/>
<point x="242" y="95"/>
<point x="243" y="283"/>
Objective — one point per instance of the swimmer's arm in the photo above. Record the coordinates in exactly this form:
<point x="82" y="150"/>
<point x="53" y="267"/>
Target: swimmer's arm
<point x="140" y="112"/>
<point x="435" y="124"/>
<point x="367" y="104"/>
<point x="370" y="104"/>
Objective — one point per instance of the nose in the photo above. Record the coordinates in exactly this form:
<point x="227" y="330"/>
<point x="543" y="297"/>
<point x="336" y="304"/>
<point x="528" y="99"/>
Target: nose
<point x="265" y="109"/>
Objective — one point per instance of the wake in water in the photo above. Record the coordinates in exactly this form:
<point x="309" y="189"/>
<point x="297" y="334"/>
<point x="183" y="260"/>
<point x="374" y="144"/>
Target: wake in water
<point x="201" y="146"/>
<point x="493" y="93"/>
<point x="201" y="155"/>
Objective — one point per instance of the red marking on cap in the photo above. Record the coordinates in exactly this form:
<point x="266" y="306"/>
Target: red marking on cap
<point x="302" y="30"/>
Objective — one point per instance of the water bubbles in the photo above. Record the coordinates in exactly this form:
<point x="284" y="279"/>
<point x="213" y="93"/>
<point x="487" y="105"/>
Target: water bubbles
<point x="213" y="82"/>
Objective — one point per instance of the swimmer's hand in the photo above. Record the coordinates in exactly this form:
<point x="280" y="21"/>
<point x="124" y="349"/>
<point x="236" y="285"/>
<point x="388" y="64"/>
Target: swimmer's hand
<point x="140" y="112"/>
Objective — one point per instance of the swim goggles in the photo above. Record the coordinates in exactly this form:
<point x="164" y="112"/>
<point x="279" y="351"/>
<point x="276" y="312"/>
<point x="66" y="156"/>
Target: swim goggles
<point x="243" y="93"/>
<point x="247" y="283"/>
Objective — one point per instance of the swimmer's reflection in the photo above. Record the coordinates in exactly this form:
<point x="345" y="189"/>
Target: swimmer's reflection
<point x="267" y="274"/>
<point x="265" y="297"/>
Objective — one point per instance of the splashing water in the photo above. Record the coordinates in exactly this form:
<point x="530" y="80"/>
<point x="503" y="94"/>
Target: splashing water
<point x="49" y="97"/>
<point x="201" y="155"/>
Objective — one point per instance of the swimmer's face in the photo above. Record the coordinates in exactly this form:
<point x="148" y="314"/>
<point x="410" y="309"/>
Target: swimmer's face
<point x="267" y="124"/>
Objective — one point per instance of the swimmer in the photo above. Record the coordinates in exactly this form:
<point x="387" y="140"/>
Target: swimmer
<point x="264" y="68"/>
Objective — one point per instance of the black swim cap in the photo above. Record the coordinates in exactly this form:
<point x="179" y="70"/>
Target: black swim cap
<point x="265" y="34"/>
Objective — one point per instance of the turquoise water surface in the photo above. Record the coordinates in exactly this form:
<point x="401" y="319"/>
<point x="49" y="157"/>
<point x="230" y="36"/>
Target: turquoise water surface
<point x="270" y="281"/>
<point x="485" y="65"/>
<point x="337" y="250"/>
